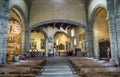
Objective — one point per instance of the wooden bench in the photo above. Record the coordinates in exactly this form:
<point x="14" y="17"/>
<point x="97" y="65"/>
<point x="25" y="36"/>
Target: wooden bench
<point x="8" y="75"/>
<point x="17" y="75"/>
<point x="27" y="75"/>
<point x="88" y="67"/>
<point x="23" y="68"/>
<point x="101" y="75"/>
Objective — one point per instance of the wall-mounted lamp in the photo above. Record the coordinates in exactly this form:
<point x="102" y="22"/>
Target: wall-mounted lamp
<point x="57" y="41"/>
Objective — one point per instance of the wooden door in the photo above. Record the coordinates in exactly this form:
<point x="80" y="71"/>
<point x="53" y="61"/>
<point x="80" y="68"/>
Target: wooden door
<point x="103" y="46"/>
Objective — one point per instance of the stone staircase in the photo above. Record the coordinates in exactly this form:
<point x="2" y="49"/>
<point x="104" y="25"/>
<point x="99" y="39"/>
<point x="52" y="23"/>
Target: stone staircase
<point x="56" y="67"/>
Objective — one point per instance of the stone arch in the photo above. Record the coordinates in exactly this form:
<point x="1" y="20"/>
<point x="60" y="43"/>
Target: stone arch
<point x="89" y="31"/>
<point x="22" y="15"/>
<point x="96" y="46"/>
<point x="60" y="38"/>
<point x="52" y="21"/>
<point x="46" y="36"/>
<point x="25" y="27"/>
<point x="61" y="32"/>
<point x="91" y="20"/>
<point x="56" y="21"/>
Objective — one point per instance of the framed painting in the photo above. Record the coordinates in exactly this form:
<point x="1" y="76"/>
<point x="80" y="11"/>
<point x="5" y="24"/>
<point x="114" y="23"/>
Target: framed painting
<point x="42" y="43"/>
<point x="82" y="37"/>
<point x="33" y="45"/>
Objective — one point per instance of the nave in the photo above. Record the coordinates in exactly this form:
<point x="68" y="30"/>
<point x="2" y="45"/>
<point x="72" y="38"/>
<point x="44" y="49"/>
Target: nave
<point x="59" y="67"/>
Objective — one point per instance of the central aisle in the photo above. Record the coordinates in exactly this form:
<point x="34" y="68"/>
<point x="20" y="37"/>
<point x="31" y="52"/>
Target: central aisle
<point x="56" y="67"/>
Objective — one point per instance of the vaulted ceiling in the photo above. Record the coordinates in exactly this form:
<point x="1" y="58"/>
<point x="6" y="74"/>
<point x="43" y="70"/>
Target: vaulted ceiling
<point x="14" y="14"/>
<point x="74" y="10"/>
<point x="45" y="10"/>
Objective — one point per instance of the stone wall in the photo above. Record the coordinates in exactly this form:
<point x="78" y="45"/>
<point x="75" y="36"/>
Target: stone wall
<point x="4" y="17"/>
<point x="117" y="11"/>
<point x="113" y="31"/>
<point x="44" y="10"/>
<point x="95" y="4"/>
<point x="78" y="32"/>
<point x="37" y="36"/>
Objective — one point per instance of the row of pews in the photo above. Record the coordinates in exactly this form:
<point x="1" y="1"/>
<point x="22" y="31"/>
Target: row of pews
<point x="23" y="68"/>
<point x="89" y="67"/>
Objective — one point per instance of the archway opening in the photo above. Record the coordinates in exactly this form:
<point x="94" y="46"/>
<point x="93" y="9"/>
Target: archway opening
<point x="101" y="34"/>
<point x="63" y="37"/>
<point x="37" y="43"/>
<point x="61" y="43"/>
<point x="16" y="32"/>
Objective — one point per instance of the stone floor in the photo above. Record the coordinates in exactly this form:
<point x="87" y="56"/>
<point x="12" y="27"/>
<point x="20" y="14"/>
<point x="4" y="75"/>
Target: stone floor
<point x="57" y="67"/>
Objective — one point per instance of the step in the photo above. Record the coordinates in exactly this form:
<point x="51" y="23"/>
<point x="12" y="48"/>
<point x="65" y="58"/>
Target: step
<point x="54" y="69"/>
<point x="56" y="76"/>
<point x="57" y="73"/>
<point x="60" y="67"/>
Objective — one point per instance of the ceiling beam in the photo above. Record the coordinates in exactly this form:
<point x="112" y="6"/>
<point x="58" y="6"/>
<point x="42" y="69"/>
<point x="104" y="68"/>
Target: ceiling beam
<point x="62" y="24"/>
<point x="68" y="26"/>
<point x="54" y="25"/>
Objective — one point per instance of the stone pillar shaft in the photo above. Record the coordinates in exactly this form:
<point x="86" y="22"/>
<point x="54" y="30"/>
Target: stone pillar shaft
<point x="4" y="17"/>
<point x="27" y="40"/>
<point x="89" y="38"/>
<point x="113" y="31"/>
<point x="118" y="37"/>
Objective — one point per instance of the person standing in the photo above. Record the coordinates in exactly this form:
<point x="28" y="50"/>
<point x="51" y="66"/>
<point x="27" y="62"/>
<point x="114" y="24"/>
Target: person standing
<point x="16" y="58"/>
<point x="108" y="53"/>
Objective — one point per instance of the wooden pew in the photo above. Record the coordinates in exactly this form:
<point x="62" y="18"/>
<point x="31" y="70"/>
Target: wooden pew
<point x="17" y="70"/>
<point x="101" y="75"/>
<point x="98" y="75"/>
<point x="8" y="75"/>
<point x="100" y="70"/>
<point x="24" y="68"/>
<point x="88" y="67"/>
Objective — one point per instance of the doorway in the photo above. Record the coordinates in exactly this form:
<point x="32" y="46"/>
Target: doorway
<point x="101" y="34"/>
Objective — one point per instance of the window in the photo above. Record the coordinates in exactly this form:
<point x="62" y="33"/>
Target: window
<point x="72" y="33"/>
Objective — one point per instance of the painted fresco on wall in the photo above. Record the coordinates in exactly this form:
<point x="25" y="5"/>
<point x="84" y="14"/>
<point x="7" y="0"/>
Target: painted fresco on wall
<point x="14" y="39"/>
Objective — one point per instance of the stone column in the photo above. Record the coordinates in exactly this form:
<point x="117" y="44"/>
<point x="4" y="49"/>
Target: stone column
<point x="49" y="45"/>
<point x="118" y="37"/>
<point x="4" y="17"/>
<point x="112" y="31"/>
<point x="27" y="40"/>
<point x="23" y="42"/>
<point x="46" y="49"/>
<point x="89" y="41"/>
<point x="117" y="18"/>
